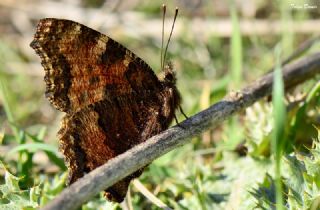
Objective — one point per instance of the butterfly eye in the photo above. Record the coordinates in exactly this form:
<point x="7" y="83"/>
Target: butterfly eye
<point x="170" y="77"/>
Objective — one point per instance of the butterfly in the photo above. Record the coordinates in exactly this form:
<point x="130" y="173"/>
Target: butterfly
<point x="113" y="100"/>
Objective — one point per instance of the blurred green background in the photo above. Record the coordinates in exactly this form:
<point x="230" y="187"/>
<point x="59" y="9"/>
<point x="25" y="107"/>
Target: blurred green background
<point x="217" y="47"/>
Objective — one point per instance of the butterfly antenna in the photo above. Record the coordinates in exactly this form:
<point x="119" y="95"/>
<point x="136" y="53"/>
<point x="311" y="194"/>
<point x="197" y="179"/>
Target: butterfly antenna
<point x="164" y="8"/>
<point x="165" y="51"/>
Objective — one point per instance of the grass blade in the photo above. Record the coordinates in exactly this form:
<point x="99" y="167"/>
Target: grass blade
<point x="279" y="116"/>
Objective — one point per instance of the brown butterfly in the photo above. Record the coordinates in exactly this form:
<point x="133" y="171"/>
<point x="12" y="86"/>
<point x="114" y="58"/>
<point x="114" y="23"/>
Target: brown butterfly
<point x="112" y="98"/>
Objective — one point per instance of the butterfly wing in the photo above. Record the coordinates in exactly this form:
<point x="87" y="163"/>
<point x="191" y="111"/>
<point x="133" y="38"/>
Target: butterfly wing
<point x="101" y="131"/>
<point x="112" y="98"/>
<point x="83" y="66"/>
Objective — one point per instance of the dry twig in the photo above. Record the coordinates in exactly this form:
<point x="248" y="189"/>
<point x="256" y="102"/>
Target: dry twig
<point x="149" y="195"/>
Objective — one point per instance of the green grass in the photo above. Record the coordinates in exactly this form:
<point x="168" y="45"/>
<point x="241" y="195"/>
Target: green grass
<point x="266" y="157"/>
<point x="279" y="117"/>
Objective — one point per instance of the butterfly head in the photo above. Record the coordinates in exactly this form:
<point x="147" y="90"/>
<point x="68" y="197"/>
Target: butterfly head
<point x="169" y="75"/>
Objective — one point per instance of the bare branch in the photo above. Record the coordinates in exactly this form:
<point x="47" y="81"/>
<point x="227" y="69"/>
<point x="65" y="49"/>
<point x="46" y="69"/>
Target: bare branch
<point x="139" y="156"/>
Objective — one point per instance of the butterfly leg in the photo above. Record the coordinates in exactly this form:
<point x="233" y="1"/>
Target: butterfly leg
<point x="176" y="119"/>
<point x="177" y="122"/>
<point x="182" y="112"/>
